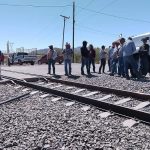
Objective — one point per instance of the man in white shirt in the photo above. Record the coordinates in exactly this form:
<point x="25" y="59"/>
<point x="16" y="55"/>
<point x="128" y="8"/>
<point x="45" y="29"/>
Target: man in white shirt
<point x="51" y="57"/>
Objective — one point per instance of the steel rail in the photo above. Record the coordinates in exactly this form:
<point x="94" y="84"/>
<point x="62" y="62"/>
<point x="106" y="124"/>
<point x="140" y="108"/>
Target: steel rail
<point x="141" y="96"/>
<point x="125" y="111"/>
<point x="14" y="98"/>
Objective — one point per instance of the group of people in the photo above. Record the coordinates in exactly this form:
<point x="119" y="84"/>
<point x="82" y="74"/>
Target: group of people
<point x="121" y="58"/>
<point x="87" y="58"/>
<point x="52" y="55"/>
<point x="124" y="55"/>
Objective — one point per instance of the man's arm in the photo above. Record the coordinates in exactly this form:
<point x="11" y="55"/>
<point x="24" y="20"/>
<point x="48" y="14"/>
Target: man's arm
<point x="82" y="53"/>
<point x="133" y="47"/>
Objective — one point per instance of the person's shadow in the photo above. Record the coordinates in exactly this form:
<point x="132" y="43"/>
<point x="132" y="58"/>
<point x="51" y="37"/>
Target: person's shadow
<point x="56" y="76"/>
<point x="74" y="77"/>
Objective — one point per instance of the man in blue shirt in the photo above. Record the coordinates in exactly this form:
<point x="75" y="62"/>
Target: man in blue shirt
<point x="128" y="50"/>
<point x="110" y="56"/>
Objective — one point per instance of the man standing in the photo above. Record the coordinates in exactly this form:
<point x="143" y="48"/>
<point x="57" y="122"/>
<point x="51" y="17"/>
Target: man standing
<point x="109" y="67"/>
<point x="120" y="58"/>
<point x="128" y="50"/>
<point x="85" y="58"/>
<point x="51" y="56"/>
<point x="144" y="51"/>
<point x="67" y="58"/>
<point x="110" y="56"/>
<point x="102" y="59"/>
<point x="114" y="61"/>
<point x="92" y="55"/>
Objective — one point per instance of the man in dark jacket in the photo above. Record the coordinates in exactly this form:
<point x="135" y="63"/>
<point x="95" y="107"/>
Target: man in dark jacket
<point x="143" y="51"/>
<point x="92" y="55"/>
<point x="85" y="58"/>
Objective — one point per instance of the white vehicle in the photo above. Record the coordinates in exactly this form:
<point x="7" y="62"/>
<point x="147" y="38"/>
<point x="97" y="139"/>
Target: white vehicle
<point x="138" y="40"/>
<point x="22" y="57"/>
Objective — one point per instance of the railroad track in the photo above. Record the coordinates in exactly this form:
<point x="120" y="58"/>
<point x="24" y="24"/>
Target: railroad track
<point x="137" y="95"/>
<point x="111" y="101"/>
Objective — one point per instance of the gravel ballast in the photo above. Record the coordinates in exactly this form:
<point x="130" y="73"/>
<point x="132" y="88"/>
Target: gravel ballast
<point x="35" y="123"/>
<point x="133" y="85"/>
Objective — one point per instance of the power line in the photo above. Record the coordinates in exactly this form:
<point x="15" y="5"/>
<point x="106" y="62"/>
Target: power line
<point x="36" y="6"/>
<point x="92" y="29"/>
<point x="87" y="5"/>
<point x="95" y="30"/>
<point x="109" y="4"/>
<point x="43" y="29"/>
<point x="115" y="16"/>
<point x="105" y="6"/>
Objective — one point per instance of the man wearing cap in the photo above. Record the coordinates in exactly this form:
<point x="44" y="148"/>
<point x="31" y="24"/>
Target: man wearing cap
<point x="51" y="57"/>
<point x="85" y="58"/>
<point x="67" y="58"/>
<point x="144" y="51"/>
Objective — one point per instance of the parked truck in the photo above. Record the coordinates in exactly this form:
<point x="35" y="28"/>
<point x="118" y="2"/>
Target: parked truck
<point x="21" y="58"/>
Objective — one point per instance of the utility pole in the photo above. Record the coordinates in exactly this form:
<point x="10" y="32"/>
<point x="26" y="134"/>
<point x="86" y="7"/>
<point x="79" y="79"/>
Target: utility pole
<point x="73" y="29"/>
<point x="11" y="46"/>
<point x="65" y="17"/>
<point x="8" y="47"/>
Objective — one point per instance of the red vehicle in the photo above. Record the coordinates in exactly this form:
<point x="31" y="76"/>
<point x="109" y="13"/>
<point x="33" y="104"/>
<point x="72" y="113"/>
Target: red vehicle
<point x="43" y="59"/>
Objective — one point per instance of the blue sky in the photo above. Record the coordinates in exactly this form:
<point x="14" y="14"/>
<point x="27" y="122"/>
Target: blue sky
<point x="38" y="27"/>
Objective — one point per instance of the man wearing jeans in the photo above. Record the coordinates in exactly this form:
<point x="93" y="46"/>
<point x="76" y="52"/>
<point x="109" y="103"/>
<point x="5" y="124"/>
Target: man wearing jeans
<point x="85" y="58"/>
<point x="120" y="59"/>
<point x="128" y="50"/>
<point x="51" y="56"/>
<point x="67" y="58"/>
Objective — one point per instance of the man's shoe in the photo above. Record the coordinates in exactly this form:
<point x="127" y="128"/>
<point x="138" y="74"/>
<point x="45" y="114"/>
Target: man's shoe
<point x="82" y="73"/>
<point x="111" y="74"/>
<point x="89" y="74"/>
<point x="128" y="78"/>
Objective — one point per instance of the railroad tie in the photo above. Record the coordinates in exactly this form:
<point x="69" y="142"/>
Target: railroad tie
<point x="104" y="98"/>
<point x="90" y="94"/>
<point x="129" y="123"/>
<point x="44" y="95"/>
<point x="105" y="114"/>
<point x="56" y="99"/>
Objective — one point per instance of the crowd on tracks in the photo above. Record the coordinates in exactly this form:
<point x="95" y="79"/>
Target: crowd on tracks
<point x="122" y="57"/>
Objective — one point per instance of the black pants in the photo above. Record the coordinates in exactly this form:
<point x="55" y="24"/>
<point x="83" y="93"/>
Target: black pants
<point x="144" y="65"/>
<point x="149" y="62"/>
<point x="92" y="61"/>
<point x="103" y="63"/>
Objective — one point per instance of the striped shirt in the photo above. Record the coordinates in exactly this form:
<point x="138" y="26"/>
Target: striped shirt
<point x="102" y="54"/>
